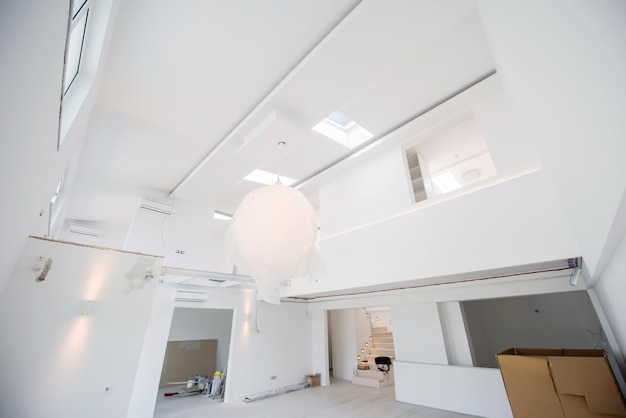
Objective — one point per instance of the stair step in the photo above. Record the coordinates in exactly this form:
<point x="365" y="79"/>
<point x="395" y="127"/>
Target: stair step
<point x="379" y="329"/>
<point x="371" y="374"/>
<point x="382" y="334"/>
<point x="389" y="352"/>
<point x="365" y="381"/>
<point x="387" y="380"/>
<point x="383" y="345"/>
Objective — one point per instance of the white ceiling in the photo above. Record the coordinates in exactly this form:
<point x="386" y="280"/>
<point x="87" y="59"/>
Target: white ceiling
<point x="195" y="94"/>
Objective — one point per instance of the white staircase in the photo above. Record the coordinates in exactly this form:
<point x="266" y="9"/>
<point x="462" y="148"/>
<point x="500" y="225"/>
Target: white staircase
<point x="381" y="345"/>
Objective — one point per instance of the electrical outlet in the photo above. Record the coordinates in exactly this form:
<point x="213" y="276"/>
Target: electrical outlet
<point x="272" y="377"/>
<point x="108" y="390"/>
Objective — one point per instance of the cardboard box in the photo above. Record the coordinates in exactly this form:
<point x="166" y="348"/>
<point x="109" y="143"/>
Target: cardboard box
<point x="313" y="379"/>
<point x="554" y="383"/>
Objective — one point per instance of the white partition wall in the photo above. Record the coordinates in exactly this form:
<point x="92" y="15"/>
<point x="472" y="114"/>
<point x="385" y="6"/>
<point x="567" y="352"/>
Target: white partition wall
<point x="470" y="390"/>
<point x="456" y="338"/>
<point x="79" y="331"/>
<point x="417" y="334"/>
<point x="343" y="343"/>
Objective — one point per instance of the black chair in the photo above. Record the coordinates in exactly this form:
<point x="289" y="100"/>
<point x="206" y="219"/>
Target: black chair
<point x="383" y="364"/>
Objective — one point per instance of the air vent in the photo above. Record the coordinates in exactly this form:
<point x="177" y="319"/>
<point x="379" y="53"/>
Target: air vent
<point x="85" y="229"/>
<point x="191" y="296"/>
<point x="164" y="208"/>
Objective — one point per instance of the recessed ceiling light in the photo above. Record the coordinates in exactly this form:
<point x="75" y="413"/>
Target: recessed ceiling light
<point x="343" y="130"/>
<point x="470" y="175"/>
<point x="266" y="177"/>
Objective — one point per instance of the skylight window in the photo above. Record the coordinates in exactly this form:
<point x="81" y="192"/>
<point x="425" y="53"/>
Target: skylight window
<point x="77" y="7"/>
<point x="222" y="216"/>
<point x="340" y="128"/>
<point x="446" y="182"/>
<point x="268" y="178"/>
<point x="76" y="40"/>
<point x="340" y="120"/>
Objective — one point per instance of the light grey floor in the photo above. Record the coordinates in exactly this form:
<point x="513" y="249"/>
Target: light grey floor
<point x="341" y="399"/>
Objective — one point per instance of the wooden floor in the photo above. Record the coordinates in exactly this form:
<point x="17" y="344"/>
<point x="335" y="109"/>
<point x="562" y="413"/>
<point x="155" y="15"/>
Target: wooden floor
<point x="341" y="399"/>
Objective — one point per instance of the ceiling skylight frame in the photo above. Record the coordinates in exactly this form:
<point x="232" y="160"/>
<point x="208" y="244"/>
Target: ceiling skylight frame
<point x="343" y="130"/>
<point x="268" y="178"/>
<point x="218" y="215"/>
<point x="340" y="120"/>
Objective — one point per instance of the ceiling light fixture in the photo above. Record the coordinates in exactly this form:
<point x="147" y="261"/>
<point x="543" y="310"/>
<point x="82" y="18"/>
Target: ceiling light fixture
<point x="274" y="237"/>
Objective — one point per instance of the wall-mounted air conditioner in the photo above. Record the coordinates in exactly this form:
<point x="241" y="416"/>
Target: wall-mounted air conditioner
<point x="165" y="208"/>
<point x="191" y="296"/>
<point x="85" y="229"/>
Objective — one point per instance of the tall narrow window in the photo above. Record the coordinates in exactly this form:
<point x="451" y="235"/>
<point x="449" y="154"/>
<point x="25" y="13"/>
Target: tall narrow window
<point x="76" y="41"/>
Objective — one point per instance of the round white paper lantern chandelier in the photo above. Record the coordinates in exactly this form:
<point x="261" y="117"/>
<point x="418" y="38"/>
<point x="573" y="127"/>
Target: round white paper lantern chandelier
<point x="273" y="236"/>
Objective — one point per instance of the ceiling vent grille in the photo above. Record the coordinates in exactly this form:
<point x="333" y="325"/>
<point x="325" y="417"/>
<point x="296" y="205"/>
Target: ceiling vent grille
<point x="164" y="208"/>
<point x="191" y="296"/>
<point x="85" y="229"/>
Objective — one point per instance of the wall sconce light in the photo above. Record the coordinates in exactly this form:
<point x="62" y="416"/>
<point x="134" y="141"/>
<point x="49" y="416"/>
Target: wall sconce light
<point x="358" y="358"/>
<point x="377" y="318"/>
<point x="574" y="264"/>
<point x="367" y="344"/>
<point x="573" y="278"/>
<point x="362" y="351"/>
<point x="86" y="307"/>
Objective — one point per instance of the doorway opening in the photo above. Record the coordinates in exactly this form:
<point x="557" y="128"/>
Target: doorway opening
<point x="357" y="336"/>
<point x="197" y="352"/>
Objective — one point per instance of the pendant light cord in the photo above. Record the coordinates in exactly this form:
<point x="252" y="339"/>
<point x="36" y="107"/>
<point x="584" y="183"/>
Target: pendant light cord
<point x="281" y="145"/>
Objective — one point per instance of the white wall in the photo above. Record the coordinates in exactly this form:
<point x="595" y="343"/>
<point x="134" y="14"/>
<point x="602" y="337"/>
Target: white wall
<point x="192" y="229"/>
<point x="70" y="357"/>
<point x="29" y="94"/>
<point x="320" y="354"/>
<point x="568" y="83"/>
<point x="496" y="227"/>
<point x="362" y="332"/>
<point x="30" y="164"/>
<point x="148" y="376"/>
<point x="380" y="317"/>
<point x="469" y="390"/>
<point x="455" y="334"/>
<point x="204" y="324"/>
<point x="417" y="334"/>
<point x="365" y="195"/>
<point x="564" y="320"/>
<point x="343" y="343"/>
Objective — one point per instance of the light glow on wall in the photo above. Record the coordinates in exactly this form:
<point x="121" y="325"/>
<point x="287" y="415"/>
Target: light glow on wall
<point x="95" y="280"/>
